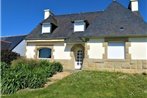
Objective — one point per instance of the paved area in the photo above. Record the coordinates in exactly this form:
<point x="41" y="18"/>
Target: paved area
<point x="57" y="76"/>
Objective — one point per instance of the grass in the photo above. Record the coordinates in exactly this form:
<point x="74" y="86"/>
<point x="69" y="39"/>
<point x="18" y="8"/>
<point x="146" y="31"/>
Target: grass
<point x="92" y="84"/>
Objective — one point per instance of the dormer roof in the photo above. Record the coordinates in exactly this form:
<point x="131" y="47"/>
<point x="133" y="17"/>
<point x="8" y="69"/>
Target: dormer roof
<point x="50" y="19"/>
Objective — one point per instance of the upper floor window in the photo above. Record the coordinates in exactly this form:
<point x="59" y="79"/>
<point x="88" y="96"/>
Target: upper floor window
<point x="46" y="28"/>
<point x="45" y="53"/>
<point x="79" y="25"/>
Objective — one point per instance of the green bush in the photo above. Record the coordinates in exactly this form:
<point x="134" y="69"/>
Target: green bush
<point x="27" y="73"/>
<point x="11" y="82"/>
<point x="44" y="63"/>
<point x="57" y="67"/>
<point x="8" y="83"/>
<point x="8" y="56"/>
<point x="29" y="63"/>
<point x="4" y="66"/>
<point x="36" y="80"/>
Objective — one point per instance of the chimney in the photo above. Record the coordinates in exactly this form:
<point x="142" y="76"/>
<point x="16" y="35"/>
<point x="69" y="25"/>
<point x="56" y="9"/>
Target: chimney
<point x="134" y="5"/>
<point x="47" y="13"/>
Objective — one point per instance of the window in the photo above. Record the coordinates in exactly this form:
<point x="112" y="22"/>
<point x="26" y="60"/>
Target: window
<point x="116" y="50"/>
<point x="79" y="25"/>
<point x="45" y="53"/>
<point x="46" y="28"/>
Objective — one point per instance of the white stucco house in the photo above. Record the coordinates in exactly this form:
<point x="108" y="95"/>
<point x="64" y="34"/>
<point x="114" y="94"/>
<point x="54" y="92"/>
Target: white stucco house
<point x="114" y="39"/>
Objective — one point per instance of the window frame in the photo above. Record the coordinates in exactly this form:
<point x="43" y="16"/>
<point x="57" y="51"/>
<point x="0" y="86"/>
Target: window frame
<point x="44" y="48"/>
<point x="50" y="28"/>
<point x="76" y="23"/>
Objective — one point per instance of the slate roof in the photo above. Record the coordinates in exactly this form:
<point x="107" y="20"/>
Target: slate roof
<point x="5" y="45"/>
<point x="11" y="42"/>
<point x="64" y="25"/>
<point x="117" y="21"/>
<point x="114" y="21"/>
<point x="51" y="19"/>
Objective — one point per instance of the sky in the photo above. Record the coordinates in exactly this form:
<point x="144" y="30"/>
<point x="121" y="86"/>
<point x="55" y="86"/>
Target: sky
<point x="19" y="17"/>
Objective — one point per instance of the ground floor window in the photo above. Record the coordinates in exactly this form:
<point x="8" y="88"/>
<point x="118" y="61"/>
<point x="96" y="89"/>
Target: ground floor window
<point x="45" y="53"/>
<point x="116" y="50"/>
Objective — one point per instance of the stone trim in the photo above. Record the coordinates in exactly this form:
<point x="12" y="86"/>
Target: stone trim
<point x="105" y="44"/>
<point x="51" y="40"/>
<point x="73" y="53"/>
<point x="42" y="44"/>
<point x="37" y="52"/>
<point x="125" y="39"/>
<point x="35" y="56"/>
<point x="26" y="49"/>
<point x="85" y="60"/>
<point x="127" y="46"/>
<point x="87" y="47"/>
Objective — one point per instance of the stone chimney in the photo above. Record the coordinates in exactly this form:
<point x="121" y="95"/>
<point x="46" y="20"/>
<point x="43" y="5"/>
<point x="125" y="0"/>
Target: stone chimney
<point x="47" y="13"/>
<point x="134" y="5"/>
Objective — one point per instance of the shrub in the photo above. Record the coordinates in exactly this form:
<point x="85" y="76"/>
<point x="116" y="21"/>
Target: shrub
<point x="57" y="66"/>
<point x="144" y="73"/>
<point x="8" y="83"/>
<point x="14" y="80"/>
<point x="37" y="80"/>
<point x="4" y="66"/>
<point x="29" y="63"/>
<point x="27" y="73"/>
<point x="44" y="63"/>
<point x="8" y="56"/>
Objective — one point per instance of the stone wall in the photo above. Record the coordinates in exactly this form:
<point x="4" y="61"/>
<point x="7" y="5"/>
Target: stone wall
<point x="127" y="65"/>
<point x="122" y="66"/>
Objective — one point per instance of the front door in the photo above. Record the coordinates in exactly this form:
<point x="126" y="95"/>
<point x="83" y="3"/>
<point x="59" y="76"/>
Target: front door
<point x="79" y="59"/>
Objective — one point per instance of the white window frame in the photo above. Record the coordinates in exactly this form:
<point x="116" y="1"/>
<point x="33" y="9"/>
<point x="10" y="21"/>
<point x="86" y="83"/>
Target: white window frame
<point x="79" y="26"/>
<point x="116" y="52"/>
<point x="46" y="27"/>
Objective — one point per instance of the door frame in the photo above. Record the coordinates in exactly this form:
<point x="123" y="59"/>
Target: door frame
<point x="74" y="49"/>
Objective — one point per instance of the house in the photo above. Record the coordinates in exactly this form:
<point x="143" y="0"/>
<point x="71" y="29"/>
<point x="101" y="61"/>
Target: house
<point x="114" y="39"/>
<point x="14" y="43"/>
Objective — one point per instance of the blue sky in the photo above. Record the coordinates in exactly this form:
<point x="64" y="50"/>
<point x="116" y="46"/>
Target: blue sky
<point x="21" y="16"/>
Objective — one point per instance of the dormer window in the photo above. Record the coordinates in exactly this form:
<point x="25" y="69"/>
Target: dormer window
<point x="46" y="28"/>
<point x="79" y="26"/>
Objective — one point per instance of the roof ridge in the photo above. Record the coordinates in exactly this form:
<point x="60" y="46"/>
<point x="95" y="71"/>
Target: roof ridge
<point x="78" y="13"/>
<point x="112" y="3"/>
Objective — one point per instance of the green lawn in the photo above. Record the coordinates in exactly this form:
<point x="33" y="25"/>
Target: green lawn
<point x="92" y="84"/>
